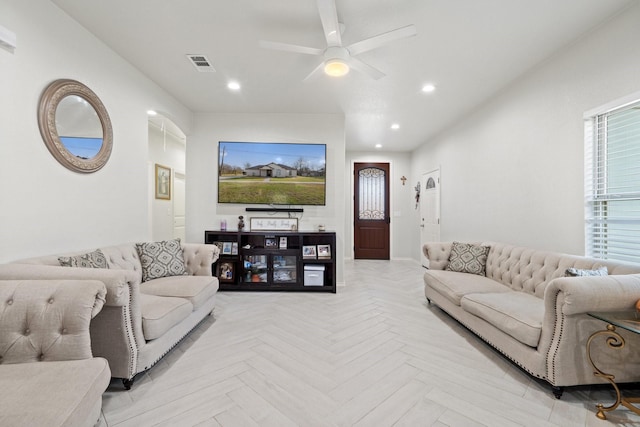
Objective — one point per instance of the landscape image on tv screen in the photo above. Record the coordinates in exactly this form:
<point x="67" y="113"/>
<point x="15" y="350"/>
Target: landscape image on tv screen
<point x="271" y="173"/>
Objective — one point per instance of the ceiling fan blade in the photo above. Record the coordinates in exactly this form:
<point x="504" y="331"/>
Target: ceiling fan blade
<point x="366" y="69"/>
<point x="291" y="48"/>
<point x="315" y="73"/>
<point x="330" y="25"/>
<point x="381" y="39"/>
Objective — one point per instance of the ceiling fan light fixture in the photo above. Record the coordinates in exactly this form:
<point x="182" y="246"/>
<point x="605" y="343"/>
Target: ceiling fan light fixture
<point x="336" y="68"/>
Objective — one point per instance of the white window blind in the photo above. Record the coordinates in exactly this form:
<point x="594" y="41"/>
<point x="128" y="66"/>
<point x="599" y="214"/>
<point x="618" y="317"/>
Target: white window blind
<point x="612" y="184"/>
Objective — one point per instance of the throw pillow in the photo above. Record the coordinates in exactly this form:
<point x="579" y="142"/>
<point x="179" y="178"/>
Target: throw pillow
<point x="161" y="259"/>
<point x="575" y="272"/>
<point x="95" y="259"/>
<point x="468" y="258"/>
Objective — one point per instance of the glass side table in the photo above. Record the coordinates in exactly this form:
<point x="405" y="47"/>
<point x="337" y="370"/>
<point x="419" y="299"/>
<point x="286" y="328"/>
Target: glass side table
<point x="630" y="321"/>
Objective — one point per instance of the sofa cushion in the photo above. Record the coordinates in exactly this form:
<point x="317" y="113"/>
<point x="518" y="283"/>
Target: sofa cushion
<point x="196" y="289"/>
<point x="455" y="285"/>
<point x="63" y="393"/>
<point x="95" y="259"/>
<point x="518" y="314"/>
<point x="159" y="314"/>
<point x="468" y="258"/>
<point x="161" y="259"/>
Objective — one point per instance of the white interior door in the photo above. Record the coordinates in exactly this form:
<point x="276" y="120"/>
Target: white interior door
<point x="429" y="210"/>
<point x="179" y="206"/>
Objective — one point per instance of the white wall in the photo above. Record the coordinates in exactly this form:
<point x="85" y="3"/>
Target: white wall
<point x="402" y="202"/>
<point x="168" y="150"/>
<point x="513" y="170"/>
<point x="45" y="207"/>
<point x="203" y="211"/>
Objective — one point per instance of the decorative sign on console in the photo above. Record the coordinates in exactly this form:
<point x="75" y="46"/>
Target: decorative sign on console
<point x="274" y="224"/>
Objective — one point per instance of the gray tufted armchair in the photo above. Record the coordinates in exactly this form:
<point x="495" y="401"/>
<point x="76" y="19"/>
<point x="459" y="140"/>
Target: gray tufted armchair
<point x="48" y="375"/>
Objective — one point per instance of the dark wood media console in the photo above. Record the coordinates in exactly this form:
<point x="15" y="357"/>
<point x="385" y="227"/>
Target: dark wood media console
<point x="275" y="261"/>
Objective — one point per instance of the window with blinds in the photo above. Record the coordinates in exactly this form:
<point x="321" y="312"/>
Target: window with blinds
<point x="612" y="184"/>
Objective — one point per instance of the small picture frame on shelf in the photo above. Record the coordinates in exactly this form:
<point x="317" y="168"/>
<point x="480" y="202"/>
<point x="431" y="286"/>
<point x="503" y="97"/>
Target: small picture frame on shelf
<point x="283" y="242"/>
<point x="309" y="252"/>
<point x="234" y="248"/>
<point x="270" y="242"/>
<point x="324" y="251"/>
<point x="226" y="272"/>
<point x="227" y="248"/>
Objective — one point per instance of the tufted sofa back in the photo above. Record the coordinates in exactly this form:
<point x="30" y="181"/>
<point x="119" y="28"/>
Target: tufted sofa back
<point x="124" y="257"/>
<point x="47" y="320"/>
<point x="530" y="270"/>
<point x="525" y="269"/>
<point x="197" y="258"/>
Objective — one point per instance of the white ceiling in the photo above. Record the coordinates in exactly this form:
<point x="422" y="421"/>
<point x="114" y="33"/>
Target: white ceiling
<point x="470" y="49"/>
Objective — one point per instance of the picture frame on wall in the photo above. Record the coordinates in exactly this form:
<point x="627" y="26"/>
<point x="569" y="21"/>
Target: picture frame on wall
<point x="226" y="272"/>
<point x="163" y="182"/>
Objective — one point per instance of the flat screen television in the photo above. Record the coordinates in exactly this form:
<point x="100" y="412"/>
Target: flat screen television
<point x="271" y="173"/>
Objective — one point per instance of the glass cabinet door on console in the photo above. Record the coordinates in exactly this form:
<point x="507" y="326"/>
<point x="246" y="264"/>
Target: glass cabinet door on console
<point x="255" y="269"/>
<point x="285" y="268"/>
<point x="270" y="268"/>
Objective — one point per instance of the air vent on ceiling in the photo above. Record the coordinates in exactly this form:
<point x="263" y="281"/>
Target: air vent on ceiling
<point x="201" y="63"/>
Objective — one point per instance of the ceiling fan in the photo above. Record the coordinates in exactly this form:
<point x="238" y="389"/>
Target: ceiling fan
<point x="338" y="58"/>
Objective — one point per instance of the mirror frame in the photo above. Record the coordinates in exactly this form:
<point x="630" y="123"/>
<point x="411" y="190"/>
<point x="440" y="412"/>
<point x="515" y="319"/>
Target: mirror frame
<point x="51" y="97"/>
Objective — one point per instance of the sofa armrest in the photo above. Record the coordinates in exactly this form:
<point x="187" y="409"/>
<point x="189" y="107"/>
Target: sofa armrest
<point x="599" y="293"/>
<point x="47" y="320"/>
<point x="117" y="282"/>
<point x="198" y="258"/>
<point x="438" y="254"/>
<point x="566" y="327"/>
<point x="116" y="332"/>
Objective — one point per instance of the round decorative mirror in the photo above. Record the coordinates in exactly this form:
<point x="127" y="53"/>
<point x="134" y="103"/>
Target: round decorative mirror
<point x="75" y="126"/>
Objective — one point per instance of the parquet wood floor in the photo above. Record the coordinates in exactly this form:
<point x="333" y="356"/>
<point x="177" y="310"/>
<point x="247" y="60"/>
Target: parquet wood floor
<point x="374" y="354"/>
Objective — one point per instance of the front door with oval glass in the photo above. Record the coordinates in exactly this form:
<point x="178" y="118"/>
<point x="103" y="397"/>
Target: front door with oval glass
<point x="371" y="211"/>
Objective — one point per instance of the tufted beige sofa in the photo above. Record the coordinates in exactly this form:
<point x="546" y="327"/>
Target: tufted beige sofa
<point x="48" y="376"/>
<point x="141" y="321"/>
<point x="532" y="314"/>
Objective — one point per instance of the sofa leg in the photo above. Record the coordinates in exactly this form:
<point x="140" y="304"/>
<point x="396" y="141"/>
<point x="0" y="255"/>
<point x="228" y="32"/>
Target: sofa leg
<point x="557" y="391"/>
<point x="428" y="301"/>
<point x="127" y="383"/>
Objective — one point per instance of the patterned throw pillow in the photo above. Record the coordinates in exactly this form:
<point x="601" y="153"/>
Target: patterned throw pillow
<point x="161" y="259"/>
<point x="575" y="272"/>
<point x="468" y="258"/>
<point x="95" y="259"/>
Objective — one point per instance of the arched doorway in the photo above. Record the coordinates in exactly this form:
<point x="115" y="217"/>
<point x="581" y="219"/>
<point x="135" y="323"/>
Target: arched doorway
<point x="167" y="149"/>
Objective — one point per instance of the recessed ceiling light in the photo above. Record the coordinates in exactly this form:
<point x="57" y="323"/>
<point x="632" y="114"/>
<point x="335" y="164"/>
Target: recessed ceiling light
<point x="378" y="145"/>
<point x="428" y="88"/>
<point x="395" y="126"/>
<point x="234" y="85"/>
<point x="151" y="113"/>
